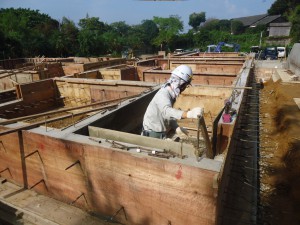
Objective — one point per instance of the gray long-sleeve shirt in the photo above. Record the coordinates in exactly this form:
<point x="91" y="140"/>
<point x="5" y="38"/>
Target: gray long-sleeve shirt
<point x="160" y="115"/>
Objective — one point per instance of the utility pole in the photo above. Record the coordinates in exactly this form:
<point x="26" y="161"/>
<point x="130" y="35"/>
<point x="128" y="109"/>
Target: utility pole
<point x="260" y="39"/>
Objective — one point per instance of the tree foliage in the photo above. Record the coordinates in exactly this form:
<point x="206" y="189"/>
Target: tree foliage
<point x="295" y="20"/>
<point x="195" y="19"/>
<point x="29" y="33"/>
<point x="283" y="7"/>
<point x="168" y="28"/>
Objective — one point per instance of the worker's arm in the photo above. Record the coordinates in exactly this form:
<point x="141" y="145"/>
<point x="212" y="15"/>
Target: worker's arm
<point x="194" y="113"/>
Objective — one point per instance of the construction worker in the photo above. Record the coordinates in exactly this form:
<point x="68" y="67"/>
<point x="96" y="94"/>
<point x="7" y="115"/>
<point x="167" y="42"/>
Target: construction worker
<point x="160" y="115"/>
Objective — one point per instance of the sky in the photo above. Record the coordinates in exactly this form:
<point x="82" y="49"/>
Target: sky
<point x="133" y="12"/>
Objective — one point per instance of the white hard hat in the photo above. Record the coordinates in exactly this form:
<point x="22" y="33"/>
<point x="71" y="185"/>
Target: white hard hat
<point x="184" y="72"/>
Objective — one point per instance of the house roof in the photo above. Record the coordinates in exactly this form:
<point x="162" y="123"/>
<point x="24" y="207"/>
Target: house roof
<point x="257" y="20"/>
<point x="266" y="20"/>
<point x="249" y="20"/>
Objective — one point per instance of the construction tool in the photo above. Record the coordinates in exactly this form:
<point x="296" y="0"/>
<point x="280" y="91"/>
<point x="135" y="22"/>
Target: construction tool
<point x="202" y="126"/>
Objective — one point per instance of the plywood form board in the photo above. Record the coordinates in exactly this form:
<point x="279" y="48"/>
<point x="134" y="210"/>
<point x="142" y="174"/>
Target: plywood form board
<point x="11" y="63"/>
<point x="24" y="77"/>
<point x="210" y="99"/>
<point x="111" y="74"/>
<point x="33" y="98"/>
<point x="129" y="74"/>
<point x="72" y="68"/>
<point x="161" y="76"/>
<point x="37" y="91"/>
<point x="6" y="83"/>
<point x="140" y="71"/>
<point x="7" y="95"/>
<point x="102" y="93"/>
<point x="74" y="94"/>
<point x="102" y="64"/>
<point x="10" y="158"/>
<point x="54" y="70"/>
<point x="214" y="79"/>
<point x="151" y="190"/>
<point x="219" y="54"/>
<point x="192" y="60"/>
<point x="157" y="76"/>
<point x="146" y="63"/>
<point x="95" y="74"/>
<point x="211" y="68"/>
<point x="119" y="74"/>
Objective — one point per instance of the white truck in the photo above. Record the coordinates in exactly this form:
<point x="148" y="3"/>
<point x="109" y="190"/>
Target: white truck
<point x="281" y="52"/>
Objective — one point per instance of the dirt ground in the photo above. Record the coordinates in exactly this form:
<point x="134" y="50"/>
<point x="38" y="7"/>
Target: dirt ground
<point x="279" y="154"/>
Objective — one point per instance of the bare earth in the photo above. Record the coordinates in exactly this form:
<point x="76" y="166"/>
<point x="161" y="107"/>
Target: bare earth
<point x="280" y="154"/>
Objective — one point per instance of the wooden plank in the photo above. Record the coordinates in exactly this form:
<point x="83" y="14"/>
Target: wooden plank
<point x="36" y="124"/>
<point x="62" y="110"/>
<point x="209" y="152"/>
<point x="180" y="148"/>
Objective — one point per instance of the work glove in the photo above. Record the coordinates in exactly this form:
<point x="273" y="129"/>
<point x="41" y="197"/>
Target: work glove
<point x="195" y="112"/>
<point x="182" y="132"/>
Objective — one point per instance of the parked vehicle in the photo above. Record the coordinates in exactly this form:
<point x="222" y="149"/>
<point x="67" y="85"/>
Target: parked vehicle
<point x="270" y="53"/>
<point x="218" y="48"/>
<point x="257" y="50"/>
<point x="179" y="50"/>
<point x="281" y="52"/>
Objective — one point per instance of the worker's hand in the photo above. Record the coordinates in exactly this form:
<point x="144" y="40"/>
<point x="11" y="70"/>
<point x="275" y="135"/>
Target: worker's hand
<point x="182" y="132"/>
<point x="195" y="112"/>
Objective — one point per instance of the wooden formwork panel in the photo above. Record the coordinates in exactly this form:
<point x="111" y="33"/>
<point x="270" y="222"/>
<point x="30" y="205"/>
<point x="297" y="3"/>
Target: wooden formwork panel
<point x="37" y="91"/>
<point x="74" y="94"/>
<point x="10" y="158"/>
<point x="100" y="179"/>
<point x="140" y="71"/>
<point x="210" y="99"/>
<point x="212" y="68"/>
<point x="211" y="79"/>
<point x="102" y="64"/>
<point x="156" y="76"/>
<point x="104" y="93"/>
<point x="72" y="68"/>
<point x="6" y="83"/>
<point x="33" y="97"/>
<point x="94" y="74"/>
<point x="77" y="94"/>
<point x="119" y="74"/>
<point x="53" y="70"/>
<point x="160" y="76"/>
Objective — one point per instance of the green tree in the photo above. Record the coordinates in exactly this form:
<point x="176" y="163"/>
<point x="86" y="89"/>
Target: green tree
<point x="202" y="39"/>
<point x="120" y="27"/>
<point x="28" y="31"/>
<point x="283" y="7"/>
<point x="149" y="31"/>
<point x="195" y="19"/>
<point x="68" y="38"/>
<point x="90" y="37"/>
<point x="169" y="28"/>
<point x="237" y="27"/>
<point x="211" y="24"/>
<point x="295" y="20"/>
<point x="279" y="7"/>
